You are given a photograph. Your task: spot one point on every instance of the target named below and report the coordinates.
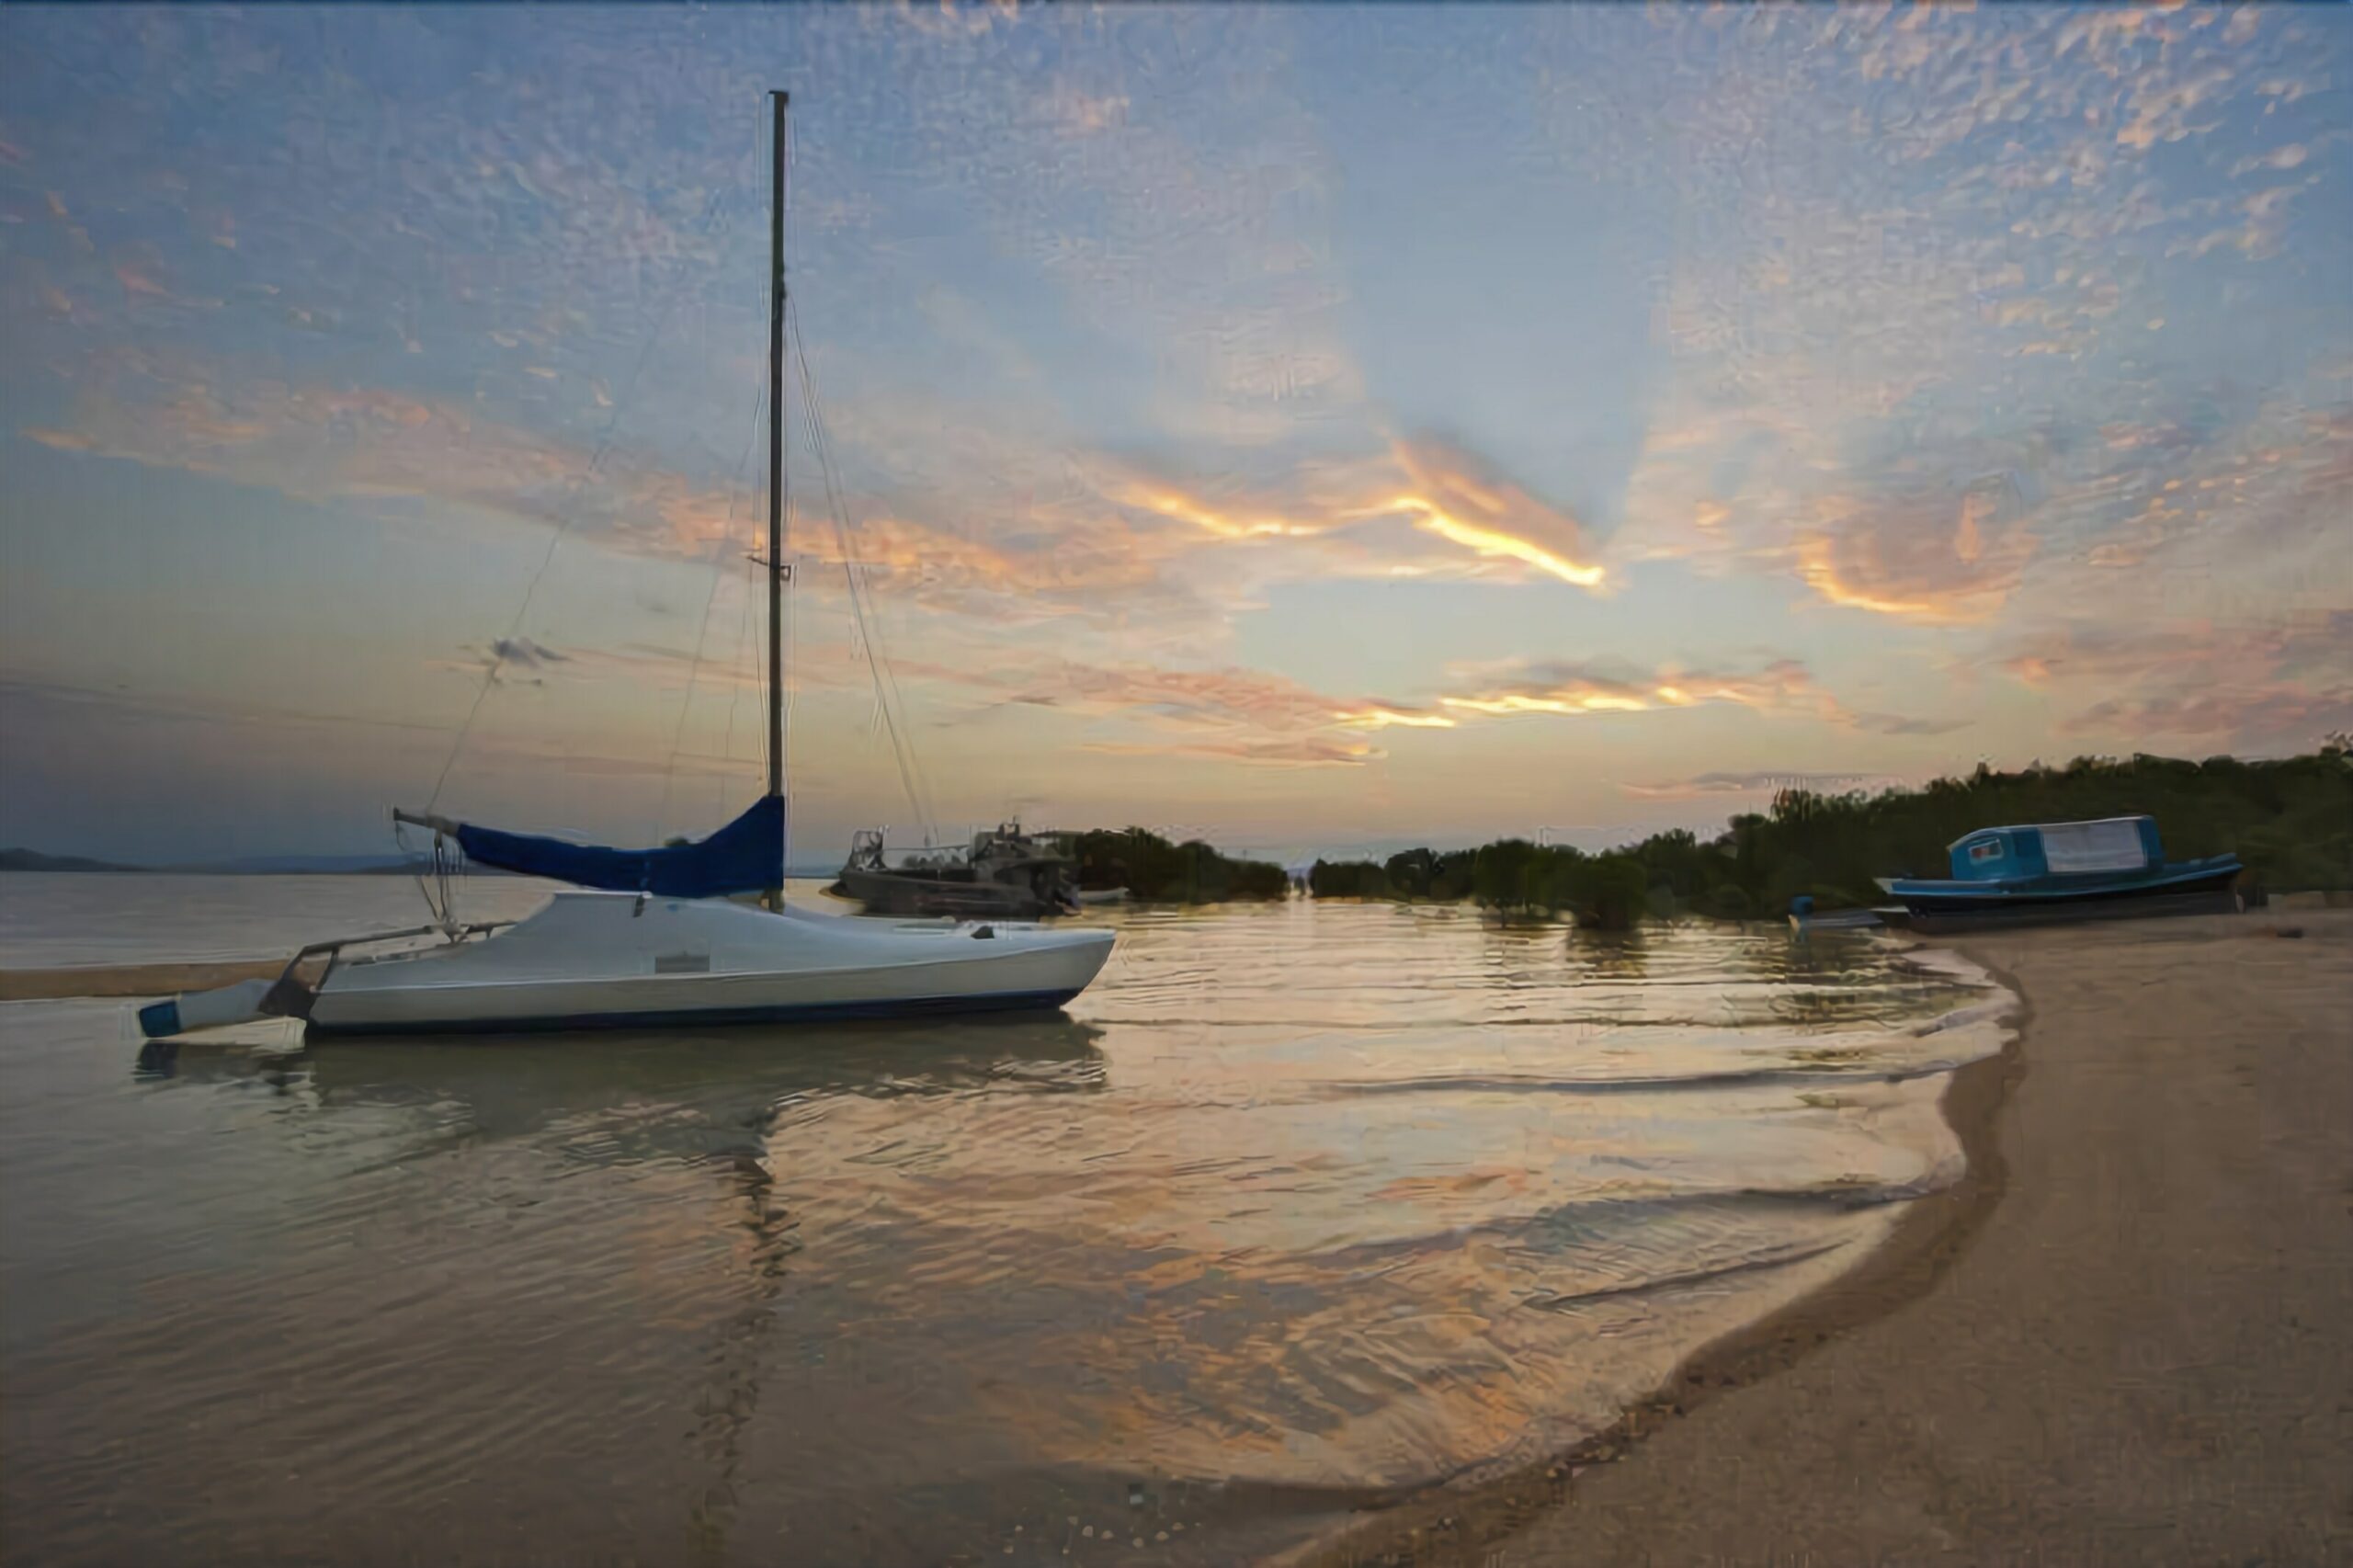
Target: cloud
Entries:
(2175, 516)
(2286, 679)
(1759, 783)
(1253, 701)
(1095, 544)
(1130, 402)
(1465, 502)
(1301, 751)
(2258, 236)
(316, 442)
(1889, 260)
(2246, 715)
(1929, 558)
(2291, 155)
(1237, 715)
(1380, 717)
(1782, 688)
(1439, 487)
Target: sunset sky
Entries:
(1315, 428)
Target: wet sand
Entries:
(2119, 1339)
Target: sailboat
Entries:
(657, 938)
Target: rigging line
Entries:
(747, 673)
(879, 633)
(702, 634)
(877, 655)
(870, 623)
(791, 642)
(712, 208)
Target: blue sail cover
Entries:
(746, 854)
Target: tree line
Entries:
(2291, 821)
(1152, 868)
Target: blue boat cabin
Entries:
(2019, 854)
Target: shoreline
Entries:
(2128, 1359)
(1439, 1527)
(61, 982)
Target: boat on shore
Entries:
(1002, 874)
(2110, 868)
(657, 938)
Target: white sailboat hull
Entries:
(605, 960)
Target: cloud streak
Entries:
(1702, 785)
(2288, 682)
(1782, 688)
(1439, 487)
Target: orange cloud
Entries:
(1784, 686)
(318, 442)
(1169, 501)
(1303, 751)
(1946, 562)
(1439, 488)
(2290, 679)
(2267, 712)
(1251, 698)
(1234, 714)
(1460, 499)
(1378, 718)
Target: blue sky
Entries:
(1313, 426)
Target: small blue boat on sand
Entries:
(2073, 870)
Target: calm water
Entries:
(1299, 1204)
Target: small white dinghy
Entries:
(662, 944)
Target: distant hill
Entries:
(255, 866)
(278, 866)
(34, 860)
(304, 865)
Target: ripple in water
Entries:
(1301, 1205)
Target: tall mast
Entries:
(776, 471)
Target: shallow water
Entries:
(1300, 1204)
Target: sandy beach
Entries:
(2120, 1339)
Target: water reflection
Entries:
(1304, 1203)
(707, 1101)
(625, 1096)
(1613, 955)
